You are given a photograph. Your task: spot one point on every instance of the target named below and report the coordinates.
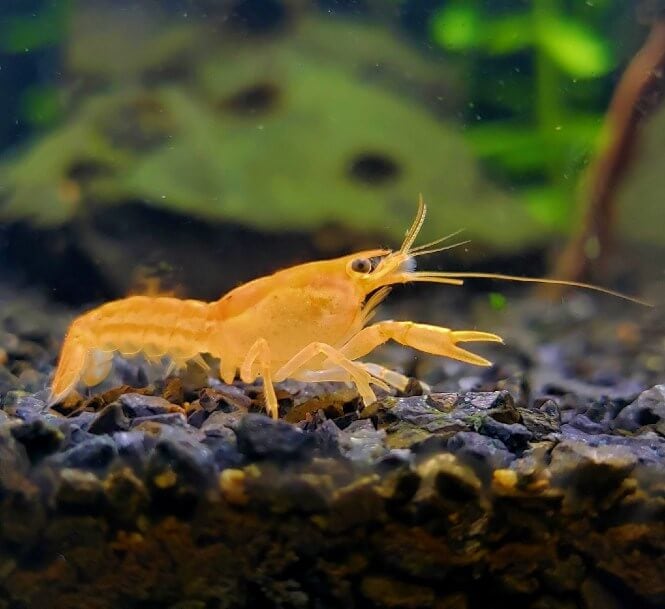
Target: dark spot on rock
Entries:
(253, 100)
(373, 168)
(645, 416)
(171, 70)
(85, 170)
(140, 125)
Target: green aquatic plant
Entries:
(497, 301)
(33, 28)
(38, 28)
(535, 69)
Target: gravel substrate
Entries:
(529, 486)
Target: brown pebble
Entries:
(173, 392)
(504, 480)
(166, 479)
(387, 592)
(232, 486)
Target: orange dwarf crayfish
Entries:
(307, 322)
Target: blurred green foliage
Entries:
(28, 30)
(539, 65)
(36, 28)
(41, 105)
(497, 301)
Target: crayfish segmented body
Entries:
(308, 322)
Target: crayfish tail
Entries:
(71, 366)
(155, 327)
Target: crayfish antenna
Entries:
(541, 280)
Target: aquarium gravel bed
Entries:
(528, 486)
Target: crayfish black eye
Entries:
(361, 265)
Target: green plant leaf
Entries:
(457, 27)
(41, 105)
(496, 138)
(577, 50)
(25, 33)
(514, 148)
(509, 34)
(497, 301)
(519, 149)
(550, 206)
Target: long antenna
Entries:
(575, 284)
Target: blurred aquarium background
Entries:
(204, 142)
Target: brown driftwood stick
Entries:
(637, 95)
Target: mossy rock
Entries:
(314, 127)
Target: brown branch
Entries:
(637, 95)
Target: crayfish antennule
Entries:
(415, 227)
